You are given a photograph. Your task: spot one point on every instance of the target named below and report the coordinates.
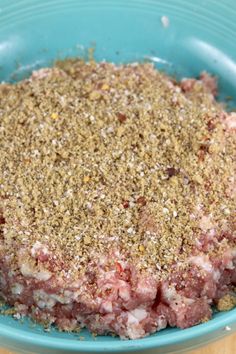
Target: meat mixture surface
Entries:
(117, 199)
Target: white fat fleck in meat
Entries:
(161, 322)
(124, 293)
(174, 299)
(203, 262)
(27, 270)
(107, 306)
(211, 234)
(123, 264)
(108, 318)
(206, 223)
(109, 275)
(230, 265)
(61, 299)
(169, 293)
(66, 297)
(216, 275)
(38, 246)
(230, 121)
(17, 289)
(146, 290)
(3, 281)
(198, 243)
(136, 315)
(43, 300)
(134, 332)
(43, 275)
(102, 260)
(227, 261)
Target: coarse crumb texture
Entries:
(115, 173)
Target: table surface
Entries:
(225, 346)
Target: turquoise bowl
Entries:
(200, 36)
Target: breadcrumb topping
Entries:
(226, 303)
(96, 156)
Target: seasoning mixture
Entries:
(117, 205)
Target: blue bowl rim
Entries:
(217, 324)
(205, 329)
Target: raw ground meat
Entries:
(209, 82)
(119, 300)
(117, 297)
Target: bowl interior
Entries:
(200, 36)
